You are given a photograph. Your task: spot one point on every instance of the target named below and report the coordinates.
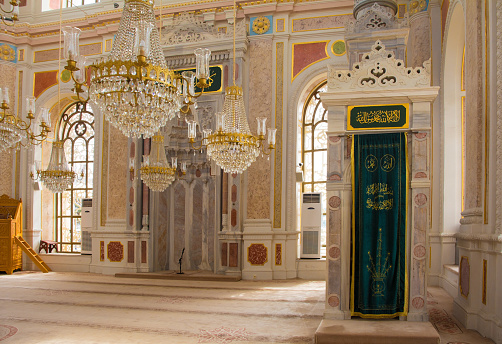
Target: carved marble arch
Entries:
(453, 121)
(313, 144)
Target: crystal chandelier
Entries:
(58, 176)
(233, 147)
(133, 87)
(14, 131)
(13, 12)
(155, 172)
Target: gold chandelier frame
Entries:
(21, 125)
(10, 21)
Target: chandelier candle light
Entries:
(13, 129)
(155, 172)
(133, 87)
(233, 147)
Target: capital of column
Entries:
(419, 16)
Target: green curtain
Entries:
(379, 183)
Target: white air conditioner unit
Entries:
(310, 238)
(86, 225)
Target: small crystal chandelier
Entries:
(14, 131)
(233, 147)
(155, 172)
(13, 12)
(58, 176)
(133, 87)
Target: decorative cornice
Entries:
(479, 237)
(190, 28)
(379, 69)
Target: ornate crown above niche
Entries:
(379, 69)
(190, 28)
(376, 17)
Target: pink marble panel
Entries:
(115, 251)
(131, 217)
(257, 254)
(278, 254)
(102, 251)
(233, 218)
(234, 193)
(465, 275)
(233, 255)
(224, 254)
(224, 194)
(143, 252)
(306, 54)
(44, 80)
(130, 251)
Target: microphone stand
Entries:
(179, 261)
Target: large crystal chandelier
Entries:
(13, 13)
(155, 172)
(14, 131)
(58, 176)
(133, 87)
(233, 147)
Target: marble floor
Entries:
(92, 308)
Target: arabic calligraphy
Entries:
(379, 116)
(381, 196)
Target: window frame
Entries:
(69, 122)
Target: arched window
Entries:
(314, 144)
(76, 130)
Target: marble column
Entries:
(419, 39)
(339, 198)
(474, 116)
(418, 227)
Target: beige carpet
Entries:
(90, 308)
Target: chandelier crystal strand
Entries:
(155, 172)
(58, 176)
(133, 87)
(232, 146)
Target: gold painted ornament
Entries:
(261, 25)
